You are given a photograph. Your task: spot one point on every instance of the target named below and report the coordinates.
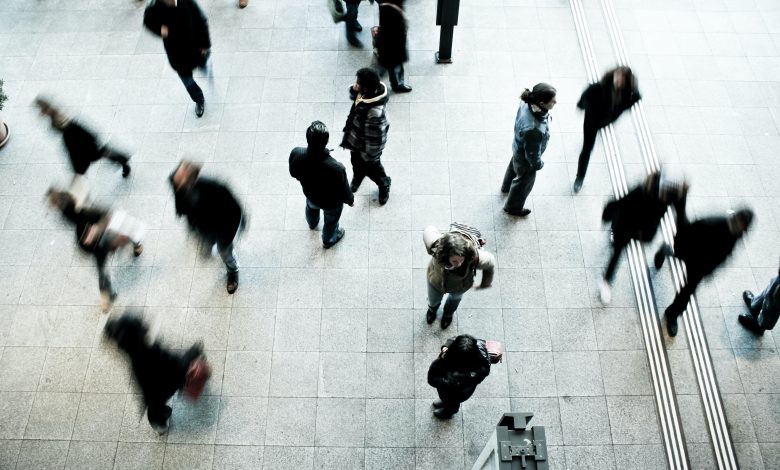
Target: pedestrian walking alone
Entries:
(455, 259)
(99, 233)
(159, 372)
(185, 33)
(703, 245)
(80, 142)
(637, 216)
(212, 212)
(391, 43)
(365, 132)
(351, 24)
(463, 363)
(531, 135)
(324, 182)
(763, 309)
(603, 102)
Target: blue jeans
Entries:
(330, 227)
(450, 305)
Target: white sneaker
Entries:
(106, 301)
(605, 292)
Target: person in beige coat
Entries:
(455, 258)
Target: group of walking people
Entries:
(217, 217)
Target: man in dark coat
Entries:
(324, 183)
(212, 212)
(159, 373)
(391, 43)
(351, 23)
(637, 216)
(764, 309)
(603, 103)
(81, 143)
(365, 132)
(703, 245)
(463, 363)
(185, 33)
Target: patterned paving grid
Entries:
(316, 348)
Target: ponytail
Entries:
(541, 93)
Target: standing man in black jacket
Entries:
(212, 212)
(324, 183)
(185, 33)
(704, 245)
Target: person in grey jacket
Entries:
(455, 258)
(764, 308)
(531, 136)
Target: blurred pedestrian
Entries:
(391, 43)
(80, 142)
(463, 363)
(185, 33)
(365, 132)
(637, 216)
(763, 309)
(604, 102)
(99, 233)
(351, 24)
(531, 136)
(455, 258)
(158, 372)
(324, 182)
(212, 212)
(703, 245)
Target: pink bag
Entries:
(495, 351)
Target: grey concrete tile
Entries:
(683, 374)
(35, 454)
(584, 421)
(300, 288)
(340, 422)
(90, 455)
(383, 431)
(590, 457)
(291, 421)
(395, 457)
(185, 456)
(432, 458)
(749, 455)
(617, 329)
(20, 368)
(575, 294)
(52, 416)
(251, 329)
(297, 329)
(389, 375)
(521, 288)
(578, 373)
(770, 454)
(238, 457)
(247, 373)
(525, 379)
(625, 373)
(764, 411)
(755, 368)
(390, 330)
(738, 415)
(14, 410)
(527, 330)
(99, 417)
(433, 432)
(572, 329)
(480, 416)
(336, 380)
(332, 458)
(701, 455)
(644, 457)
(693, 419)
(135, 425)
(194, 423)
(294, 374)
(633, 420)
(242, 420)
(345, 288)
(390, 288)
(210, 325)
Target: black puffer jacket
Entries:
(323, 178)
(211, 210)
(188, 32)
(457, 382)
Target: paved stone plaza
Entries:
(320, 358)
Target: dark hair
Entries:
(629, 81)
(453, 244)
(129, 330)
(317, 135)
(744, 217)
(368, 79)
(63, 200)
(466, 353)
(541, 93)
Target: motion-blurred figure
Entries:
(351, 24)
(80, 142)
(764, 309)
(704, 245)
(391, 43)
(212, 212)
(158, 372)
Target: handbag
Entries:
(337, 10)
(198, 374)
(495, 351)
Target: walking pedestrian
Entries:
(531, 136)
(637, 216)
(80, 142)
(391, 43)
(212, 212)
(351, 24)
(455, 258)
(324, 183)
(158, 371)
(185, 33)
(463, 363)
(763, 309)
(99, 233)
(604, 102)
(703, 245)
(365, 132)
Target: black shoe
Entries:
(430, 315)
(354, 41)
(339, 236)
(747, 296)
(446, 320)
(125, 171)
(200, 108)
(661, 254)
(358, 27)
(354, 185)
(439, 413)
(504, 190)
(519, 213)
(232, 282)
(402, 88)
(577, 185)
(438, 404)
(749, 322)
(671, 325)
(384, 192)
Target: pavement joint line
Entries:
(697, 341)
(668, 414)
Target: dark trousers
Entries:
(192, 88)
(350, 19)
(104, 281)
(617, 249)
(157, 411)
(682, 298)
(115, 156)
(158, 414)
(371, 168)
(330, 227)
(589, 133)
(761, 310)
(396, 76)
(519, 181)
(452, 403)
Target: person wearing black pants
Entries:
(185, 33)
(351, 24)
(391, 43)
(603, 102)
(703, 245)
(463, 363)
(763, 309)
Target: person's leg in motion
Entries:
(376, 173)
(351, 24)
(758, 319)
(228, 255)
(118, 158)
(159, 415)
(434, 300)
(680, 302)
(331, 232)
(358, 171)
(196, 94)
(450, 305)
(446, 410)
(312, 214)
(509, 175)
(107, 293)
(520, 188)
(589, 133)
(605, 290)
